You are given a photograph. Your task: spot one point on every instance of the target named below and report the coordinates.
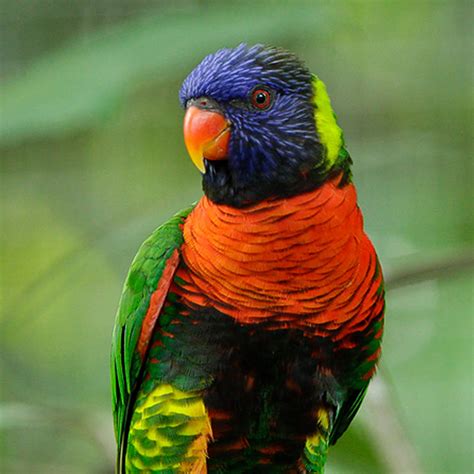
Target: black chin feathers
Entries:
(221, 188)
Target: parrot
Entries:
(250, 323)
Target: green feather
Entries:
(142, 279)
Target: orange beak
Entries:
(206, 135)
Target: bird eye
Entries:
(261, 99)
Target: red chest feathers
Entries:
(303, 261)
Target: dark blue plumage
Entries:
(230, 74)
(272, 152)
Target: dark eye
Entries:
(261, 98)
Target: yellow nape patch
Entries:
(330, 134)
(169, 431)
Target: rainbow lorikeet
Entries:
(250, 323)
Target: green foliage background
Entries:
(92, 160)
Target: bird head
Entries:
(259, 125)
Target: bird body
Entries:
(250, 324)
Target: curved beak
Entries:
(206, 135)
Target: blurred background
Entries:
(92, 160)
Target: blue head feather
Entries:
(272, 152)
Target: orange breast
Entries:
(303, 261)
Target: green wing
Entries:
(347, 412)
(151, 272)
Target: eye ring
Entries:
(261, 98)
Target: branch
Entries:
(440, 267)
